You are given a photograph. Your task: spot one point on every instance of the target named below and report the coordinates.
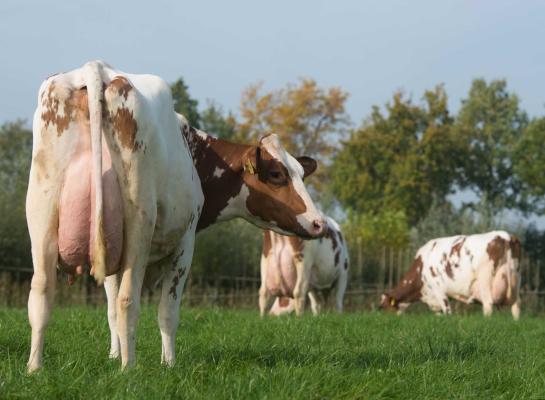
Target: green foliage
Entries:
(15, 156)
(214, 122)
(402, 160)
(229, 248)
(227, 354)
(184, 104)
(385, 229)
(529, 159)
(490, 123)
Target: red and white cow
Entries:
(483, 268)
(113, 185)
(292, 267)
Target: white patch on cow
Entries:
(202, 134)
(218, 172)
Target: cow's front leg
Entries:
(484, 279)
(111, 285)
(171, 296)
(315, 304)
(301, 285)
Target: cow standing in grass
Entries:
(114, 186)
(482, 268)
(292, 267)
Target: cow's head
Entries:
(390, 303)
(277, 198)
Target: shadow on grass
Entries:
(357, 359)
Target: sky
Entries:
(368, 48)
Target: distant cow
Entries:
(482, 268)
(291, 268)
(114, 185)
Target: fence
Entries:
(370, 275)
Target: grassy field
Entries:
(234, 354)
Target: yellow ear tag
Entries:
(393, 302)
(249, 167)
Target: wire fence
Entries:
(370, 276)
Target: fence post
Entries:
(360, 261)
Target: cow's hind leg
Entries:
(111, 285)
(265, 299)
(135, 259)
(484, 278)
(43, 233)
(171, 296)
(340, 289)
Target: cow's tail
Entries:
(93, 81)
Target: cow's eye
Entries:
(277, 178)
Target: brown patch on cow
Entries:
(337, 256)
(408, 290)
(208, 154)
(514, 245)
(274, 200)
(296, 243)
(284, 302)
(267, 245)
(433, 272)
(54, 102)
(345, 264)
(433, 245)
(121, 85)
(179, 273)
(457, 247)
(496, 250)
(125, 127)
(445, 302)
(448, 270)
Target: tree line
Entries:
(393, 180)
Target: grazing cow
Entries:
(483, 268)
(128, 206)
(291, 268)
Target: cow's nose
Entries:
(318, 227)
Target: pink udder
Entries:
(75, 213)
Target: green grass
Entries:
(235, 354)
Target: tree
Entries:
(529, 162)
(490, 123)
(400, 160)
(308, 119)
(184, 104)
(15, 155)
(214, 121)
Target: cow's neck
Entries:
(219, 166)
(409, 288)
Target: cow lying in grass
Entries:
(480, 268)
(291, 268)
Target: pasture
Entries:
(233, 354)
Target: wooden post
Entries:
(391, 270)
(382, 269)
(360, 260)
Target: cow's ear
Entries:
(309, 164)
(250, 160)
